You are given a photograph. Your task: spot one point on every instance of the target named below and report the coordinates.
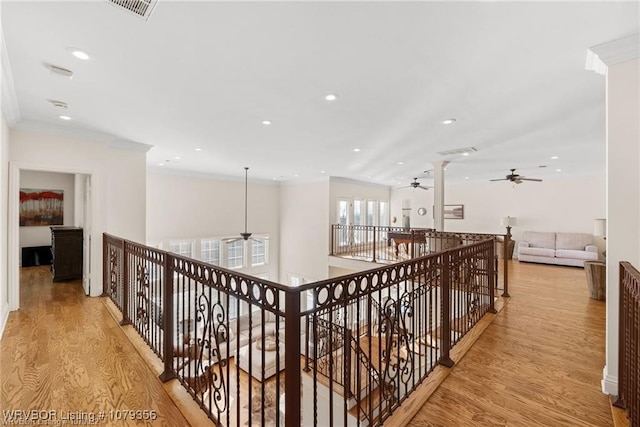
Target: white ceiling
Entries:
(205, 74)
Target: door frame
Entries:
(13, 224)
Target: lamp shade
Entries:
(600, 227)
(509, 221)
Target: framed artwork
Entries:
(41, 207)
(453, 211)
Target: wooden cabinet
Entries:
(66, 249)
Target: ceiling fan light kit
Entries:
(416, 184)
(515, 178)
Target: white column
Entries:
(438, 194)
(622, 67)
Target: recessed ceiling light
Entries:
(331, 97)
(466, 177)
(65, 117)
(554, 157)
(448, 121)
(177, 158)
(161, 164)
(266, 122)
(198, 149)
(558, 170)
(295, 174)
(322, 172)
(356, 150)
(401, 163)
(80, 53)
(465, 153)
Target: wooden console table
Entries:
(596, 279)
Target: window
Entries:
(258, 252)
(235, 254)
(210, 251)
(357, 212)
(238, 307)
(383, 216)
(181, 248)
(371, 212)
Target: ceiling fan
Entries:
(514, 177)
(416, 184)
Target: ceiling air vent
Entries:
(141, 8)
(458, 151)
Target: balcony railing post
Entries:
(413, 241)
(105, 264)
(167, 320)
(505, 261)
(374, 244)
(445, 330)
(492, 279)
(622, 326)
(293, 378)
(333, 239)
(125, 285)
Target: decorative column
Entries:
(438, 195)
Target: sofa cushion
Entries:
(537, 251)
(573, 254)
(538, 239)
(574, 241)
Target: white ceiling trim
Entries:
(125, 144)
(613, 52)
(8, 93)
(187, 173)
(63, 131)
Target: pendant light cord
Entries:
(246, 169)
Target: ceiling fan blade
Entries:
(517, 181)
(530, 179)
(500, 179)
(423, 187)
(406, 186)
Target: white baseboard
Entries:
(609, 383)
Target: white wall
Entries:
(41, 236)
(559, 204)
(118, 185)
(4, 179)
(415, 198)
(623, 195)
(181, 207)
(304, 230)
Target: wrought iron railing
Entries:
(394, 244)
(629, 343)
(234, 341)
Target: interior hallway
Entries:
(539, 362)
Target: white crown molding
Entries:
(8, 96)
(613, 52)
(358, 182)
(65, 131)
(163, 170)
(125, 144)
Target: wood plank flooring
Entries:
(539, 363)
(63, 351)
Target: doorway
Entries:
(81, 214)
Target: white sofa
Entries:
(571, 249)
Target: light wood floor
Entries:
(63, 351)
(539, 362)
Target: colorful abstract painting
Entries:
(41, 207)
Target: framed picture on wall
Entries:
(41, 207)
(453, 211)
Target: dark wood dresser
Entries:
(66, 249)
